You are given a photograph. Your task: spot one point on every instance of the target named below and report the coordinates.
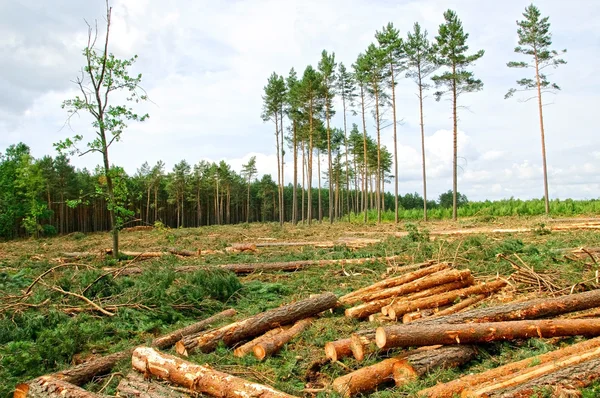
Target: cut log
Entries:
(357, 295)
(248, 268)
(369, 378)
(426, 282)
(417, 334)
(585, 362)
(270, 346)
(173, 337)
(184, 253)
(413, 316)
(379, 317)
(198, 378)
(247, 348)
(50, 387)
(241, 247)
(338, 349)
(400, 308)
(363, 343)
(531, 309)
(574, 377)
(82, 373)
(134, 386)
(421, 363)
(366, 309)
(256, 325)
(463, 304)
(450, 389)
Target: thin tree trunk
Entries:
(378, 177)
(347, 163)
(303, 179)
(422, 145)
(331, 216)
(395, 146)
(319, 185)
(295, 188)
(281, 199)
(539, 92)
(455, 147)
(278, 165)
(362, 96)
(310, 161)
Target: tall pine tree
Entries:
(327, 67)
(451, 52)
(421, 64)
(535, 41)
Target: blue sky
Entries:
(205, 65)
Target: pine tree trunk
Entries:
(257, 324)
(540, 105)
(329, 164)
(295, 188)
(303, 180)
(135, 386)
(417, 334)
(271, 345)
(198, 378)
(310, 162)
(278, 166)
(347, 162)
(281, 194)
(49, 387)
(378, 176)
(422, 144)
(319, 185)
(455, 148)
(364, 121)
(395, 146)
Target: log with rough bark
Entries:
(50, 387)
(452, 388)
(134, 386)
(173, 337)
(371, 307)
(184, 253)
(417, 334)
(82, 373)
(248, 268)
(257, 324)
(421, 363)
(362, 343)
(198, 378)
(463, 304)
(369, 378)
(400, 308)
(241, 247)
(270, 346)
(513, 383)
(531, 309)
(338, 349)
(247, 348)
(427, 282)
(357, 295)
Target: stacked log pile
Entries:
(448, 334)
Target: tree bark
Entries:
(357, 295)
(522, 383)
(247, 348)
(395, 145)
(134, 386)
(423, 283)
(383, 305)
(49, 387)
(450, 389)
(295, 188)
(335, 350)
(540, 106)
(418, 334)
(271, 345)
(198, 378)
(421, 363)
(461, 306)
(81, 374)
(531, 309)
(416, 315)
(256, 325)
(422, 144)
(398, 309)
(173, 337)
(364, 122)
(369, 378)
(455, 148)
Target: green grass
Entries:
(35, 342)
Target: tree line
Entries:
(368, 89)
(47, 196)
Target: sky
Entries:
(205, 63)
